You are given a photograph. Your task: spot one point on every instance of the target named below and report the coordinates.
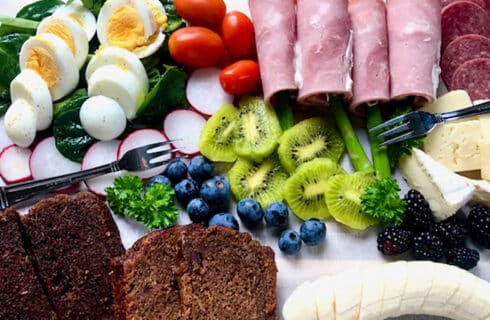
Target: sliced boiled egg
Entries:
(71, 32)
(20, 123)
(121, 58)
(118, 84)
(77, 12)
(103, 118)
(29, 86)
(134, 25)
(50, 57)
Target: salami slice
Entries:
(474, 77)
(481, 3)
(460, 50)
(463, 17)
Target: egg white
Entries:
(103, 118)
(20, 123)
(77, 12)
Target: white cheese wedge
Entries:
(445, 191)
(481, 195)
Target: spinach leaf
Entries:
(10, 25)
(166, 94)
(39, 10)
(174, 21)
(72, 140)
(9, 56)
(93, 5)
(4, 100)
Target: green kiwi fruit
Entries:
(216, 140)
(309, 139)
(257, 129)
(305, 189)
(343, 197)
(263, 181)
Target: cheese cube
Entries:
(484, 146)
(455, 145)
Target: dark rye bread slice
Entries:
(228, 276)
(72, 240)
(21, 293)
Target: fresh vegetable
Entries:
(155, 207)
(237, 31)
(39, 10)
(10, 46)
(240, 78)
(174, 21)
(284, 110)
(186, 141)
(204, 13)
(196, 47)
(14, 164)
(10, 25)
(93, 5)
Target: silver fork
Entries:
(138, 159)
(418, 123)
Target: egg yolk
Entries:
(42, 62)
(125, 28)
(63, 32)
(160, 17)
(77, 18)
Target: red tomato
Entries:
(196, 47)
(204, 13)
(240, 78)
(237, 31)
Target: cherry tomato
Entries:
(240, 78)
(237, 31)
(196, 47)
(204, 13)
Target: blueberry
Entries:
(158, 179)
(224, 220)
(198, 210)
(250, 212)
(290, 242)
(313, 231)
(216, 192)
(186, 190)
(201, 168)
(176, 171)
(276, 214)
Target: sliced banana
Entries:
(419, 282)
(324, 298)
(301, 305)
(395, 279)
(29, 85)
(372, 294)
(71, 32)
(348, 293)
(119, 85)
(77, 12)
(458, 304)
(50, 57)
(20, 123)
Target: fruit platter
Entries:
(286, 171)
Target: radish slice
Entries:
(14, 164)
(4, 138)
(46, 161)
(204, 92)
(184, 128)
(238, 5)
(98, 154)
(141, 138)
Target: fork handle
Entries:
(479, 109)
(19, 192)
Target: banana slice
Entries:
(324, 298)
(78, 13)
(20, 123)
(301, 304)
(419, 283)
(348, 291)
(395, 279)
(456, 306)
(28, 85)
(372, 294)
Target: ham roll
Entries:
(324, 49)
(275, 36)
(414, 34)
(370, 72)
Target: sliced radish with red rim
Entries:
(4, 139)
(204, 92)
(46, 161)
(14, 164)
(184, 127)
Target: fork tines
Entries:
(401, 132)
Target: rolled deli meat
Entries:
(370, 72)
(324, 49)
(275, 37)
(414, 35)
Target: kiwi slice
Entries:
(216, 140)
(309, 139)
(343, 198)
(257, 129)
(305, 189)
(263, 181)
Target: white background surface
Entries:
(343, 249)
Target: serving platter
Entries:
(343, 249)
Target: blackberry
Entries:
(428, 246)
(478, 225)
(458, 218)
(453, 235)
(464, 258)
(418, 215)
(394, 240)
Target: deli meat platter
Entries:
(265, 105)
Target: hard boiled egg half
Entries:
(135, 25)
(102, 118)
(79, 14)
